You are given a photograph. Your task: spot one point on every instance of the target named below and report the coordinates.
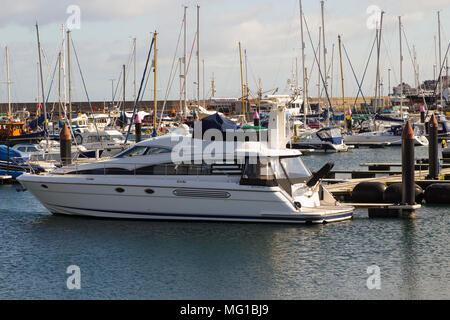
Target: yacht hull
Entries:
(137, 198)
(391, 140)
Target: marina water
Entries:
(195, 260)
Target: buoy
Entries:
(393, 193)
(368, 192)
(437, 193)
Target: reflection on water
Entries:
(181, 260)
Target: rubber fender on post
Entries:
(368, 192)
(393, 193)
(437, 193)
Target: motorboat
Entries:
(13, 163)
(179, 177)
(100, 143)
(327, 139)
(46, 150)
(388, 137)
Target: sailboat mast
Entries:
(59, 85)
(9, 81)
(246, 74)
(42, 79)
(124, 86)
(198, 55)
(134, 58)
(401, 64)
(203, 82)
(63, 67)
(342, 72)
(318, 69)
(154, 83)
(324, 59)
(242, 81)
(184, 65)
(213, 86)
(305, 96)
(69, 78)
(440, 56)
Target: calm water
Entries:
(178, 260)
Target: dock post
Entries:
(408, 184)
(7, 163)
(433, 165)
(256, 121)
(65, 146)
(138, 128)
(422, 114)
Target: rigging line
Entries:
(187, 69)
(172, 70)
(389, 58)
(440, 75)
(127, 74)
(356, 78)
(364, 74)
(416, 75)
(320, 72)
(140, 89)
(85, 90)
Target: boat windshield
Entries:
(295, 169)
(330, 133)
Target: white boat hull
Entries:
(173, 199)
(391, 140)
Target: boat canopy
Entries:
(218, 122)
(14, 155)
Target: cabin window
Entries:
(133, 152)
(141, 151)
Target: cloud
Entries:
(50, 11)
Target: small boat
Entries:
(14, 163)
(389, 137)
(327, 139)
(44, 151)
(12, 132)
(101, 143)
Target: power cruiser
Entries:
(178, 177)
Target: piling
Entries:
(433, 156)
(256, 120)
(408, 184)
(65, 145)
(138, 128)
(422, 114)
(7, 159)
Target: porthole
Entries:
(120, 190)
(149, 191)
(44, 186)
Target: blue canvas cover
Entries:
(216, 121)
(14, 155)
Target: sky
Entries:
(269, 32)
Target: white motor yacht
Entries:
(178, 177)
(323, 140)
(391, 136)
